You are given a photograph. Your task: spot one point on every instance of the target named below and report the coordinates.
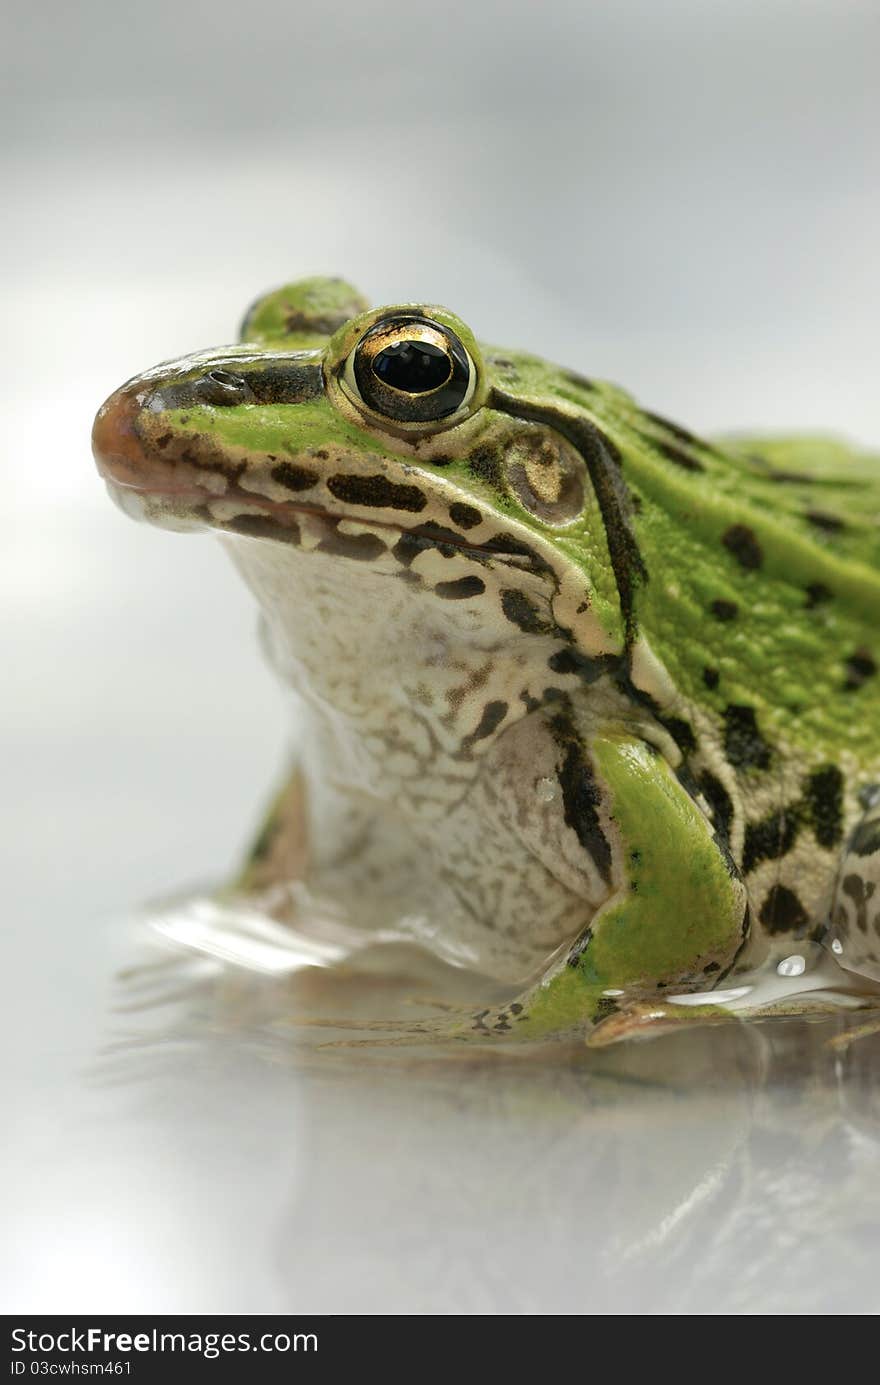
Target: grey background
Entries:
(683, 197)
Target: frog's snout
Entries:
(117, 448)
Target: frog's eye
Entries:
(411, 369)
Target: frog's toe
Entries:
(645, 1020)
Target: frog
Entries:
(589, 703)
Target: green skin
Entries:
(687, 645)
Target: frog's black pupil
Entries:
(413, 366)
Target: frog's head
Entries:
(386, 438)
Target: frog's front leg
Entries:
(676, 922)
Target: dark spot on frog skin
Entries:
(678, 455)
(724, 610)
(163, 441)
(377, 492)
(771, 838)
(572, 661)
(686, 779)
(486, 463)
(579, 947)
(492, 717)
(513, 548)
(860, 666)
(782, 911)
(711, 677)
(521, 611)
(824, 803)
(719, 801)
(798, 478)
(581, 796)
(465, 516)
(362, 547)
(293, 477)
(407, 548)
(430, 535)
(580, 382)
(606, 1006)
(681, 732)
(297, 320)
(860, 892)
(817, 594)
(710, 967)
(461, 588)
(865, 840)
(264, 527)
(740, 540)
(744, 745)
(820, 519)
(515, 1007)
(675, 429)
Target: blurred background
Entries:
(682, 197)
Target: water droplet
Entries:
(612, 992)
(792, 966)
(837, 946)
(547, 790)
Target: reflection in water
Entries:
(715, 1170)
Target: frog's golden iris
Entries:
(411, 369)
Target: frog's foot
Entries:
(847, 1037)
(648, 1020)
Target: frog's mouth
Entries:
(309, 526)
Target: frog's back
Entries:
(763, 580)
(828, 487)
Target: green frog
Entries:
(589, 704)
